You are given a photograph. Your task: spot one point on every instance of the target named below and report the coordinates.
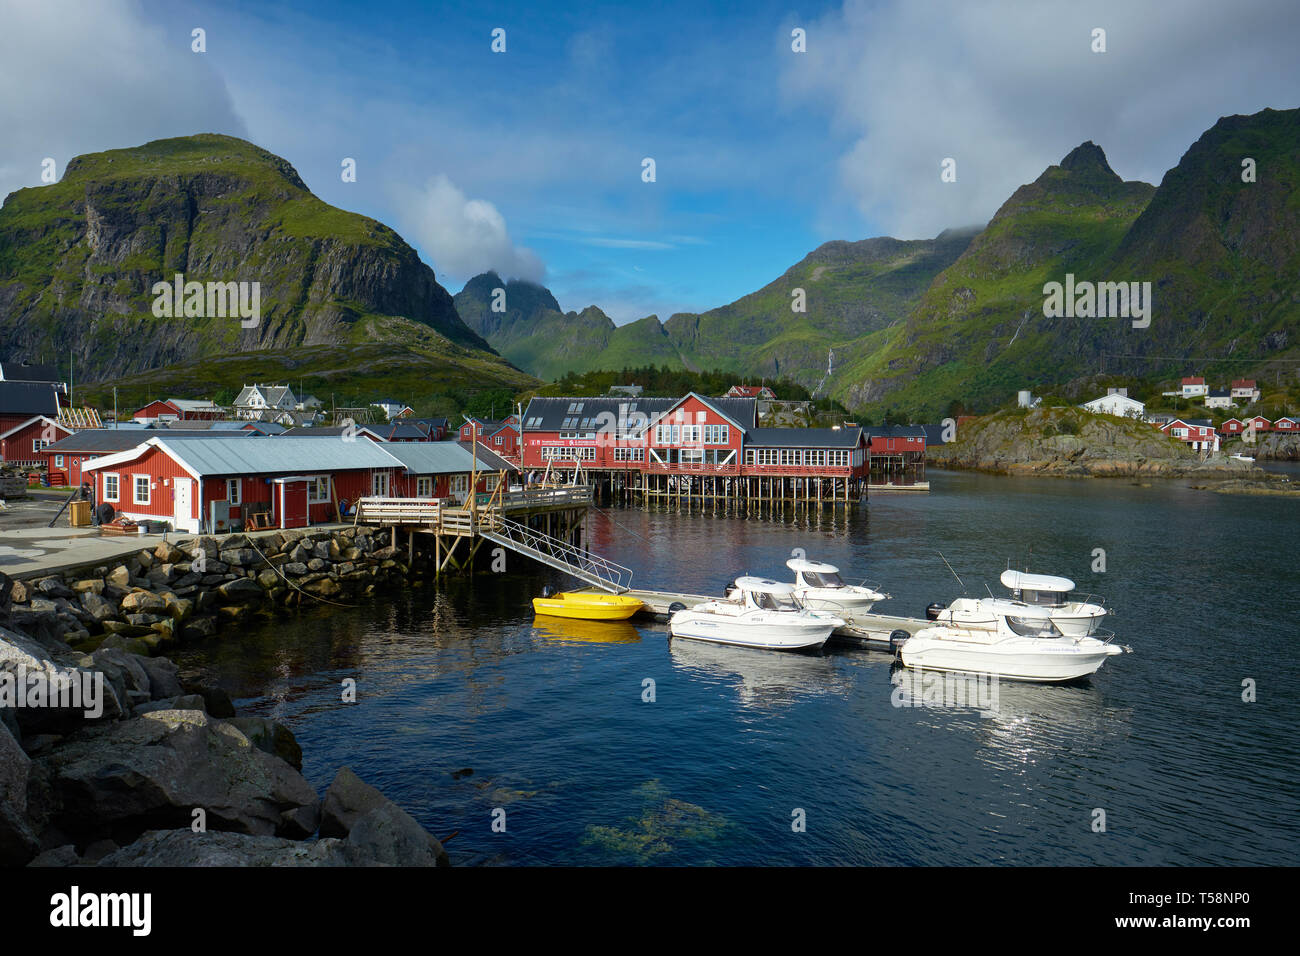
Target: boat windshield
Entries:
(827, 580)
(1032, 627)
(1045, 598)
(774, 602)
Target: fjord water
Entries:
(550, 716)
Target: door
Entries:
(293, 504)
(183, 504)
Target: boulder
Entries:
(53, 587)
(295, 569)
(268, 579)
(215, 700)
(99, 608)
(143, 602)
(241, 591)
(152, 771)
(184, 848)
(347, 800)
(18, 843)
(95, 585)
(179, 702)
(169, 553)
(163, 677)
(119, 577)
(198, 628)
(271, 736)
(389, 835)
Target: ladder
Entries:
(583, 565)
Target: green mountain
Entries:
(535, 335)
(79, 259)
(1221, 254)
(851, 290)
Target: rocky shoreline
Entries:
(1072, 443)
(149, 770)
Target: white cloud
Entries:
(1008, 88)
(82, 77)
(465, 236)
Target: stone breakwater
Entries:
(161, 772)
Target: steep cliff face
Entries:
(79, 258)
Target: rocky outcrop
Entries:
(115, 776)
(1071, 442)
(1278, 446)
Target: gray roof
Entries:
(29, 398)
(803, 437)
(105, 441)
(25, 372)
(438, 457)
(280, 455)
(895, 431)
(550, 414)
(489, 459)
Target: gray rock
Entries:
(295, 569)
(241, 591)
(99, 608)
(388, 834)
(179, 702)
(18, 842)
(163, 679)
(184, 848)
(153, 770)
(273, 737)
(65, 855)
(347, 800)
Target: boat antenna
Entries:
(954, 573)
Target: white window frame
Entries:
(459, 484)
(318, 490)
(58, 461)
(117, 486)
(378, 478)
(424, 486)
(234, 491)
(135, 490)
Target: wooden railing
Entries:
(398, 510)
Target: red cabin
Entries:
(24, 444)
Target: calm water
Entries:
(551, 721)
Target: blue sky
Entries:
(530, 161)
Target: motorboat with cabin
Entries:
(1008, 639)
(819, 586)
(757, 612)
(1072, 617)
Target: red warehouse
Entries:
(24, 444)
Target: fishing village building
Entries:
(704, 449)
(212, 484)
(179, 409)
(23, 445)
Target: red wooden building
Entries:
(1233, 426)
(215, 484)
(1286, 425)
(24, 444)
(179, 409)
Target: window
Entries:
(424, 487)
(38, 444)
(379, 484)
(110, 487)
(459, 484)
(318, 490)
(675, 434)
(58, 461)
(692, 434)
(141, 486)
(232, 491)
(490, 483)
(500, 440)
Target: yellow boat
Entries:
(588, 606)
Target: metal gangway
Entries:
(583, 565)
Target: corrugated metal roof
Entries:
(490, 459)
(106, 440)
(551, 414)
(433, 458)
(280, 455)
(895, 431)
(802, 437)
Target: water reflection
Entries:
(585, 632)
(765, 680)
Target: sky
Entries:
(531, 161)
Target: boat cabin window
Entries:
(773, 602)
(828, 580)
(1043, 598)
(1032, 627)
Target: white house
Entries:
(1245, 388)
(266, 403)
(392, 408)
(1193, 387)
(1117, 402)
(1219, 398)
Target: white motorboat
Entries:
(1008, 639)
(820, 587)
(1073, 618)
(756, 613)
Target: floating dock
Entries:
(862, 630)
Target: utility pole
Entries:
(114, 408)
